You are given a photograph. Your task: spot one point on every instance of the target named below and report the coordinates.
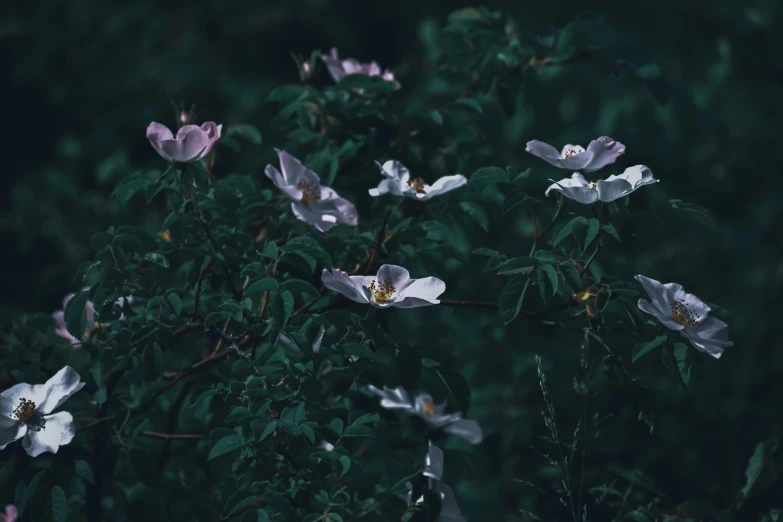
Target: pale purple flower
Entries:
(59, 317)
(391, 287)
(398, 182)
(424, 407)
(685, 313)
(599, 153)
(312, 203)
(340, 68)
(191, 144)
(614, 187)
(26, 413)
(433, 470)
(10, 515)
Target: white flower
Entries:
(26, 411)
(398, 182)
(312, 203)
(599, 153)
(391, 287)
(578, 188)
(424, 407)
(449, 510)
(685, 313)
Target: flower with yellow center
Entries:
(685, 313)
(26, 413)
(579, 189)
(382, 292)
(599, 153)
(311, 192)
(399, 182)
(434, 415)
(392, 286)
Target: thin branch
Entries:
(204, 268)
(378, 242)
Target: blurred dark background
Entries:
(82, 82)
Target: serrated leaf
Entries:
(609, 229)
(487, 176)
(225, 445)
(476, 213)
(511, 298)
(547, 282)
(518, 265)
(310, 248)
(59, 504)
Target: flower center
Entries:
(683, 316)
(417, 184)
(27, 414)
(592, 185)
(311, 192)
(428, 407)
(382, 292)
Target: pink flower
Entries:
(191, 144)
(340, 68)
(10, 514)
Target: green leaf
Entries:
(476, 213)
(136, 182)
(367, 84)
(514, 198)
(759, 464)
(584, 230)
(487, 176)
(158, 259)
(642, 349)
(246, 131)
(307, 248)
(358, 350)
(518, 265)
(545, 256)
(268, 429)
(511, 298)
(24, 494)
(609, 229)
(59, 504)
(215, 318)
(259, 287)
(262, 516)
(153, 362)
(684, 362)
(345, 464)
(272, 250)
(547, 282)
(562, 233)
(175, 303)
(336, 425)
(299, 286)
(486, 252)
(226, 444)
(242, 505)
(76, 314)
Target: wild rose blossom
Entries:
(10, 515)
(312, 203)
(392, 286)
(26, 413)
(685, 313)
(425, 408)
(614, 187)
(340, 68)
(433, 470)
(191, 144)
(599, 153)
(398, 182)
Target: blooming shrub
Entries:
(260, 355)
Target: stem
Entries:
(546, 229)
(590, 260)
(378, 241)
(173, 436)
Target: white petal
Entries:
(61, 386)
(610, 190)
(711, 335)
(576, 187)
(393, 169)
(657, 292)
(10, 433)
(603, 151)
(393, 398)
(294, 171)
(434, 462)
(449, 509)
(443, 185)
(322, 222)
(59, 431)
(666, 320)
(291, 191)
(341, 282)
(544, 151)
(421, 292)
(384, 187)
(35, 393)
(467, 429)
(395, 275)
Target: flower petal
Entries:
(341, 282)
(421, 292)
(544, 151)
(449, 509)
(277, 178)
(384, 187)
(576, 187)
(334, 65)
(35, 393)
(666, 320)
(156, 133)
(433, 467)
(11, 514)
(467, 429)
(393, 398)
(609, 190)
(294, 171)
(393, 169)
(11, 433)
(188, 146)
(59, 388)
(443, 185)
(331, 203)
(322, 222)
(658, 293)
(59, 431)
(603, 152)
(396, 275)
(711, 335)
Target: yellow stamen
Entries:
(25, 411)
(311, 192)
(417, 184)
(681, 315)
(382, 292)
(428, 407)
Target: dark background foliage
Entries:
(691, 88)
